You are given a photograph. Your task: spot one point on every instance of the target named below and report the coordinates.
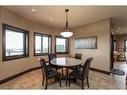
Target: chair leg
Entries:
(60, 80)
(82, 84)
(43, 80)
(62, 72)
(69, 82)
(55, 79)
(88, 82)
(46, 83)
(66, 76)
(74, 79)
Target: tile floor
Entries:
(32, 80)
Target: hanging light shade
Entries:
(66, 31)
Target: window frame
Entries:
(43, 35)
(25, 42)
(67, 45)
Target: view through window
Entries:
(61, 45)
(14, 43)
(38, 44)
(45, 45)
(42, 44)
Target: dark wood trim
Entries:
(14, 28)
(67, 45)
(101, 71)
(111, 51)
(3, 42)
(125, 45)
(41, 54)
(51, 45)
(43, 35)
(111, 44)
(25, 46)
(17, 75)
(41, 46)
(114, 41)
(34, 43)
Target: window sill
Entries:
(9, 58)
(41, 54)
(62, 52)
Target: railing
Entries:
(14, 52)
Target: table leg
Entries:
(66, 76)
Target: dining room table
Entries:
(66, 62)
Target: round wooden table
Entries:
(65, 63)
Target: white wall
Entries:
(101, 55)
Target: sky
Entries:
(14, 40)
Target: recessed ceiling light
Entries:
(51, 19)
(33, 10)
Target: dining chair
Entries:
(51, 57)
(77, 56)
(82, 74)
(48, 73)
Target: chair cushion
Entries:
(53, 73)
(54, 66)
(75, 74)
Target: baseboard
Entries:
(101, 71)
(17, 75)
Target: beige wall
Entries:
(101, 55)
(9, 68)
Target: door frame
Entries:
(111, 51)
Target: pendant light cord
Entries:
(66, 10)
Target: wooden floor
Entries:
(32, 80)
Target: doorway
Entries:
(118, 54)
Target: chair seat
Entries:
(73, 68)
(76, 74)
(49, 67)
(57, 67)
(53, 73)
(53, 66)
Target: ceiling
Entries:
(78, 15)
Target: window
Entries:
(61, 45)
(15, 42)
(42, 44)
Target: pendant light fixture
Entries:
(66, 31)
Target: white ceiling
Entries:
(78, 15)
